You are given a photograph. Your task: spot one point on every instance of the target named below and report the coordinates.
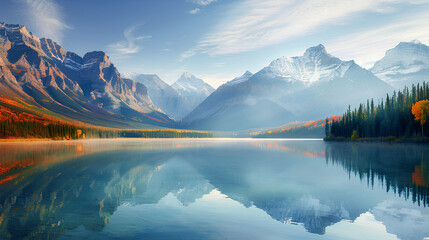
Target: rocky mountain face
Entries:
(313, 86)
(404, 65)
(87, 88)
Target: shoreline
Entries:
(390, 139)
(15, 140)
(26, 140)
(359, 140)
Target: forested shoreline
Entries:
(11, 129)
(399, 117)
(18, 122)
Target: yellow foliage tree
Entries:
(420, 111)
(355, 135)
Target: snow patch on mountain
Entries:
(314, 66)
(131, 75)
(311, 86)
(406, 64)
(188, 84)
(240, 79)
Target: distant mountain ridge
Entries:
(313, 86)
(188, 83)
(87, 88)
(162, 94)
(192, 90)
(179, 99)
(404, 65)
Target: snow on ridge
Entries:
(406, 57)
(70, 63)
(10, 27)
(403, 65)
(239, 79)
(89, 63)
(130, 75)
(315, 65)
(188, 84)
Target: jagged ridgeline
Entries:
(43, 76)
(308, 87)
(391, 117)
(402, 169)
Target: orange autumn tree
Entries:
(420, 111)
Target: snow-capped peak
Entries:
(189, 83)
(315, 65)
(186, 75)
(415, 41)
(406, 56)
(405, 64)
(315, 51)
(187, 80)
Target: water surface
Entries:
(213, 189)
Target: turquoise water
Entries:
(213, 189)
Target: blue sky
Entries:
(218, 40)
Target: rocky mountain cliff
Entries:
(87, 88)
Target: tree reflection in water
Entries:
(48, 189)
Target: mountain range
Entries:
(89, 89)
(313, 86)
(179, 99)
(43, 76)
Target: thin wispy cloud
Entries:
(130, 44)
(46, 18)
(203, 2)
(187, 54)
(253, 24)
(194, 11)
(369, 45)
(200, 3)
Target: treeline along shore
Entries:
(11, 129)
(400, 117)
(17, 124)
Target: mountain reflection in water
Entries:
(97, 187)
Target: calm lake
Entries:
(213, 189)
